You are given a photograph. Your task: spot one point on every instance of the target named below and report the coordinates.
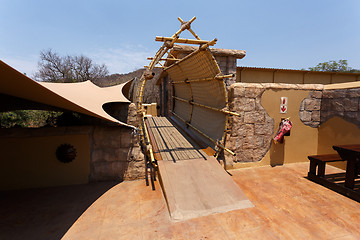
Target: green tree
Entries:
(333, 66)
(56, 68)
(28, 118)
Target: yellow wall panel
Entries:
(30, 162)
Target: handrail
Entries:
(208, 107)
(218, 77)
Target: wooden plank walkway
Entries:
(169, 142)
(194, 183)
(199, 187)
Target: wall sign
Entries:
(283, 104)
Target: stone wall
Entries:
(320, 106)
(115, 154)
(343, 103)
(309, 112)
(250, 134)
(227, 66)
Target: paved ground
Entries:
(287, 206)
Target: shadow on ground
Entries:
(46, 213)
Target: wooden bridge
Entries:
(183, 147)
(194, 183)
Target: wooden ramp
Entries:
(194, 184)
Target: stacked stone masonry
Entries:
(320, 106)
(309, 112)
(250, 134)
(115, 154)
(343, 103)
(227, 66)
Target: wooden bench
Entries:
(319, 161)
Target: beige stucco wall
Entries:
(28, 162)
(104, 153)
(254, 76)
(302, 140)
(317, 77)
(336, 131)
(259, 75)
(288, 77)
(342, 78)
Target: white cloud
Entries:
(122, 60)
(118, 60)
(26, 64)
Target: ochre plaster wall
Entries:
(342, 78)
(259, 75)
(288, 77)
(317, 78)
(303, 140)
(254, 76)
(28, 162)
(337, 131)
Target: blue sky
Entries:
(276, 33)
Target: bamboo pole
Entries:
(161, 64)
(164, 59)
(194, 34)
(192, 106)
(172, 55)
(185, 40)
(148, 143)
(189, 29)
(210, 43)
(154, 67)
(160, 53)
(208, 107)
(203, 134)
(166, 46)
(184, 25)
(220, 77)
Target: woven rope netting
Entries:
(200, 97)
(196, 91)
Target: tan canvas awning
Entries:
(83, 97)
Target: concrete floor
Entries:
(287, 206)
